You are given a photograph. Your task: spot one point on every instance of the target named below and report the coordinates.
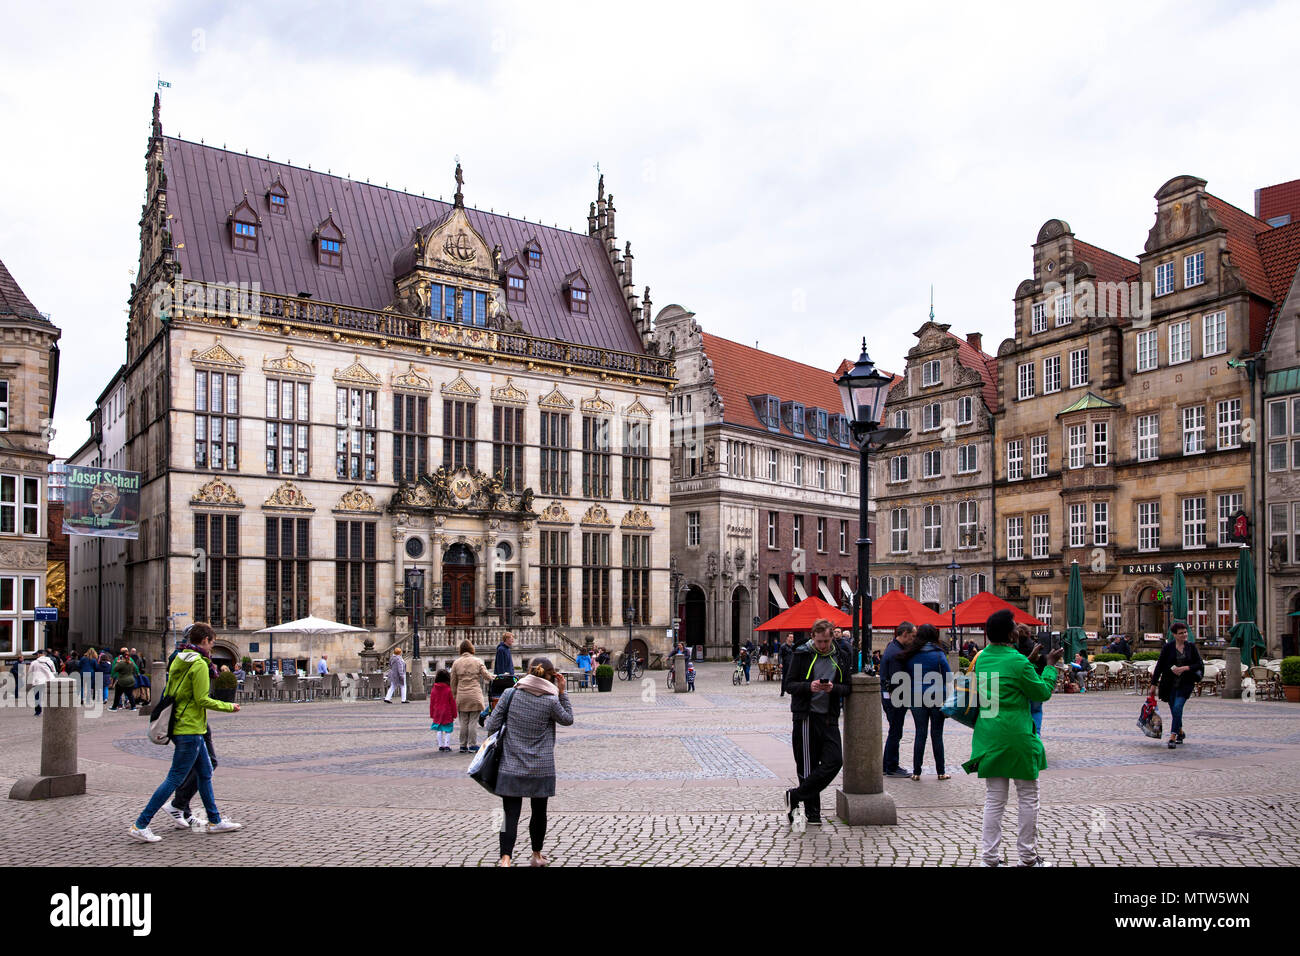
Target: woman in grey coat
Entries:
(528, 712)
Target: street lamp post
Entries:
(863, 799)
(415, 604)
(954, 567)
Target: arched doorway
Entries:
(741, 614)
(223, 653)
(458, 565)
(1150, 610)
(638, 647)
(695, 618)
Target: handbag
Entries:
(1149, 720)
(486, 765)
(962, 703)
(162, 718)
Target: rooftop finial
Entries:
(932, 302)
(157, 121)
(600, 186)
(460, 182)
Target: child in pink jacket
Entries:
(442, 710)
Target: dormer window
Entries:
(792, 414)
(277, 197)
(577, 290)
(516, 289)
(532, 253)
(244, 222)
(331, 253)
(839, 429)
(768, 410)
(329, 243)
(279, 203)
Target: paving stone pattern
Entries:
(648, 777)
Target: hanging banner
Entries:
(102, 503)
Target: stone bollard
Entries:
(1232, 673)
(863, 801)
(60, 700)
(679, 675)
(953, 661)
(157, 682)
(415, 680)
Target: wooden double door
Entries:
(458, 595)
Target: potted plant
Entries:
(1291, 678)
(604, 678)
(247, 664)
(223, 688)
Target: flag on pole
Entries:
(163, 84)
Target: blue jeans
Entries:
(894, 717)
(1036, 712)
(930, 718)
(1176, 707)
(190, 754)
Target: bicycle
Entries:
(738, 675)
(637, 669)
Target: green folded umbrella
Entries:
(1075, 639)
(1244, 633)
(1178, 607)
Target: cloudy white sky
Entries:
(796, 174)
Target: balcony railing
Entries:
(248, 305)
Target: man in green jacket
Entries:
(188, 682)
(1005, 747)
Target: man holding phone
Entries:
(817, 681)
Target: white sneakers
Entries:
(144, 836)
(225, 826)
(179, 819)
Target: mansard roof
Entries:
(204, 183)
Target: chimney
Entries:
(975, 338)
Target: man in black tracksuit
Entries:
(893, 661)
(817, 681)
(786, 653)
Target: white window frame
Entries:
(1111, 618)
(1228, 413)
(900, 419)
(1016, 538)
(965, 410)
(1043, 608)
(821, 474)
(821, 535)
(1194, 430)
(1164, 278)
(1051, 374)
(1214, 333)
(1229, 505)
(1193, 269)
(771, 530)
(1077, 442)
(1064, 310)
(796, 531)
(1079, 367)
(1148, 350)
(1038, 318)
(1148, 522)
(898, 528)
(844, 476)
(1016, 459)
(1148, 437)
(1078, 525)
(1194, 522)
(773, 469)
(844, 536)
(932, 464)
(798, 470)
(898, 469)
(931, 417)
(1024, 381)
(968, 516)
(1041, 535)
(930, 374)
(1100, 444)
(1182, 351)
(1037, 460)
(19, 508)
(932, 528)
(692, 529)
(1101, 524)
(967, 459)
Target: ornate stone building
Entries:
(331, 383)
(936, 485)
(764, 486)
(29, 374)
(1125, 441)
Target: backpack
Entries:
(162, 719)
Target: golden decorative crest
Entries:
(412, 380)
(288, 496)
(597, 515)
(217, 492)
(288, 364)
(636, 410)
(357, 374)
(637, 518)
(507, 394)
(217, 356)
(554, 513)
(459, 388)
(357, 500)
(461, 487)
(555, 399)
(597, 404)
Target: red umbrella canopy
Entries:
(895, 607)
(975, 611)
(804, 615)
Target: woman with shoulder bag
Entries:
(1175, 674)
(526, 715)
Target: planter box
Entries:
(604, 684)
(226, 694)
(1292, 692)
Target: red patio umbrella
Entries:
(894, 607)
(804, 615)
(974, 612)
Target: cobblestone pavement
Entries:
(648, 777)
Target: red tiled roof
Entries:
(13, 301)
(1108, 266)
(1279, 200)
(1242, 229)
(982, 363)
(205, 183)
(1280, 251)
(741, 370)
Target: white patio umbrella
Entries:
(307, 625)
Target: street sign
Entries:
(757, 620)
(47, 614)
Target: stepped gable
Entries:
(205, 183)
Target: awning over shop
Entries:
(825, 592)
(775, 590)
(800, 590)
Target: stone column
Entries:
(60, 699)
(679, 675)
(490, 566)
(862, 801)
(1232, 673)
(157, 678)
(522, 588)
(435, 609)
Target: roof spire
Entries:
(931, 301)
(460, 182)
(157, 121)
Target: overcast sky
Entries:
(797, 174)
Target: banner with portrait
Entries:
(102, 502)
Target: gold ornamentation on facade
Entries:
(288, 496)
(358, 374)
(217, 492)
(597, 404)
(597, 515)
(215, 357)
(412, 380)
(554, 399)
(554, 513)
(638, 518)
(508, 394)
(357, 500)
(459, 388)
(636, 410)
(289, 364)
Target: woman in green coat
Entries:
(123, 683)
(1005, 747)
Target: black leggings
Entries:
(120, 692)
(536, 824)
